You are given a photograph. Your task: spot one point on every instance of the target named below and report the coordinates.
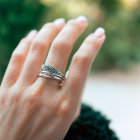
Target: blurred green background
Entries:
(120, 18)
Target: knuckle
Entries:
(60, 46)
(80, 60)
(3, 97)
(14, 98)
(95, 44)
(38, 46)
(91, 40)
(65, 108)
(32, 101)
(17, 56)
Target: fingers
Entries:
(61, 47)
(63, 43)
(17, 60)
(81, 63)
(38, 51)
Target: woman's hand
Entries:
(33, 107)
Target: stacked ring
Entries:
(51, 72)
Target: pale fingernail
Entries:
(99, 32)
(31, 34)
(81, 19)
(59, 21)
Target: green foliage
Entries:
(17, 17)
(122, 27)
(109, 5)
(122, 44)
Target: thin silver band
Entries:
(51, 77)
(47, 73)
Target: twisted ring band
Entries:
(48, 71)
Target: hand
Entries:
(33, 107)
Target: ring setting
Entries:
(51, 72)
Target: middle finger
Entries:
(63, 43)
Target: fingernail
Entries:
(59, 21)
(81, 19)
(31, 34)
(99, 32)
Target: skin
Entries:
(36, 108)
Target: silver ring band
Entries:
(52, 70)
(51, 77)
(48, 71)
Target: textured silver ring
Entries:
(48, 71)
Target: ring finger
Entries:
(63, 43)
